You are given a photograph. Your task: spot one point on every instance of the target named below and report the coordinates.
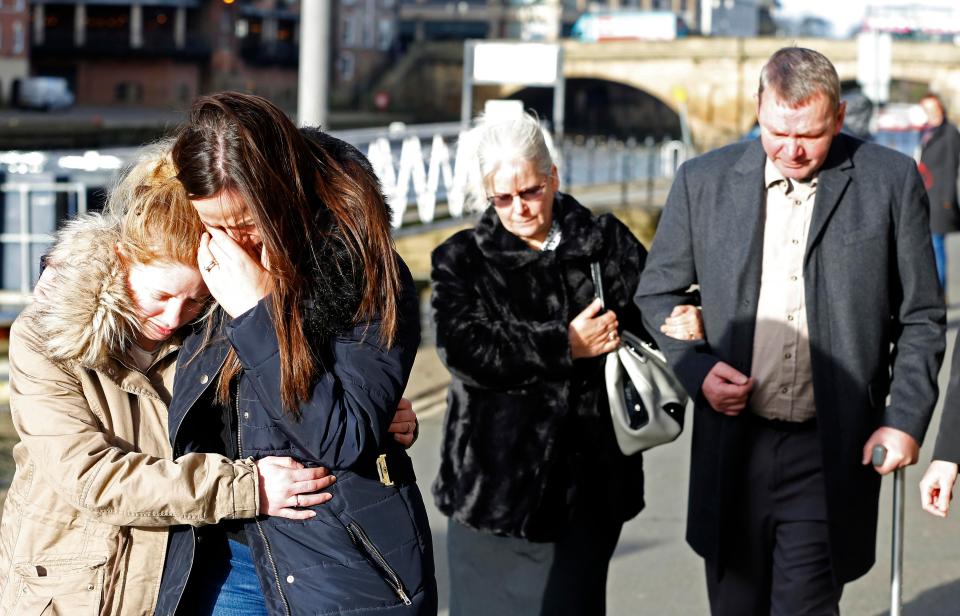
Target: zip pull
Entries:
(403, 597)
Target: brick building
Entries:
(14, 44)
(163, 53)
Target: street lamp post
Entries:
(314, 75)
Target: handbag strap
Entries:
(597, 282)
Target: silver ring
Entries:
(210, 266)
(611, 336)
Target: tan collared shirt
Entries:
(781, 343)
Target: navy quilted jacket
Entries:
(368, 551)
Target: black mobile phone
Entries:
(598, 284)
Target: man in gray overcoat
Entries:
(824, 326)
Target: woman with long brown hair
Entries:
(306, 356)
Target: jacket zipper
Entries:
(273, 564)
(359, 536)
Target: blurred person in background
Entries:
(939, 164)
(531, 476)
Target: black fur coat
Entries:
(528, 443)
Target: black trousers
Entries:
(778, 556)
(509, 576)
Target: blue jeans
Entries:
(940, 254)
(224, 583)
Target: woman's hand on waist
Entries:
(405, 426)
(286, 487)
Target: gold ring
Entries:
(611, 336)
(210, 266)
(691, 336)
(298, 500)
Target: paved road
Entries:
(654, 572)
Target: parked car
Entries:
(43, 93)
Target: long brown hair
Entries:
(245, 146)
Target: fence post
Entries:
(624, 178)
(591, 145)
(651, 168)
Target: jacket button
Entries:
(90, 587)
(289, 579)
(203, 379)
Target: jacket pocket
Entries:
(858, 236)
(59, 588)
(369, 550)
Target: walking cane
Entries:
(896, 552)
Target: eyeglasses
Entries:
(527, 195)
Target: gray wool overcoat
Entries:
(874, 308)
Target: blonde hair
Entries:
(157, 220)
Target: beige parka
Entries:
(84, 523)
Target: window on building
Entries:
(285, 30)
(369, 34)
(348, 31)
(128, 92)
(384, 34)
(18, 37)
(346, 66)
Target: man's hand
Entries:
(936, 487)
(902, 449)
(404, 425)
(285, 486)
(592, 335)
(727, 389)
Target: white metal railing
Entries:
(24, 196)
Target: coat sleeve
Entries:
(61, 428)
(478, 347)
(354, 400)
(920, 316)
(670, 271)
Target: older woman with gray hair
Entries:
(531, 476)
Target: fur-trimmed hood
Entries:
(87, 314)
